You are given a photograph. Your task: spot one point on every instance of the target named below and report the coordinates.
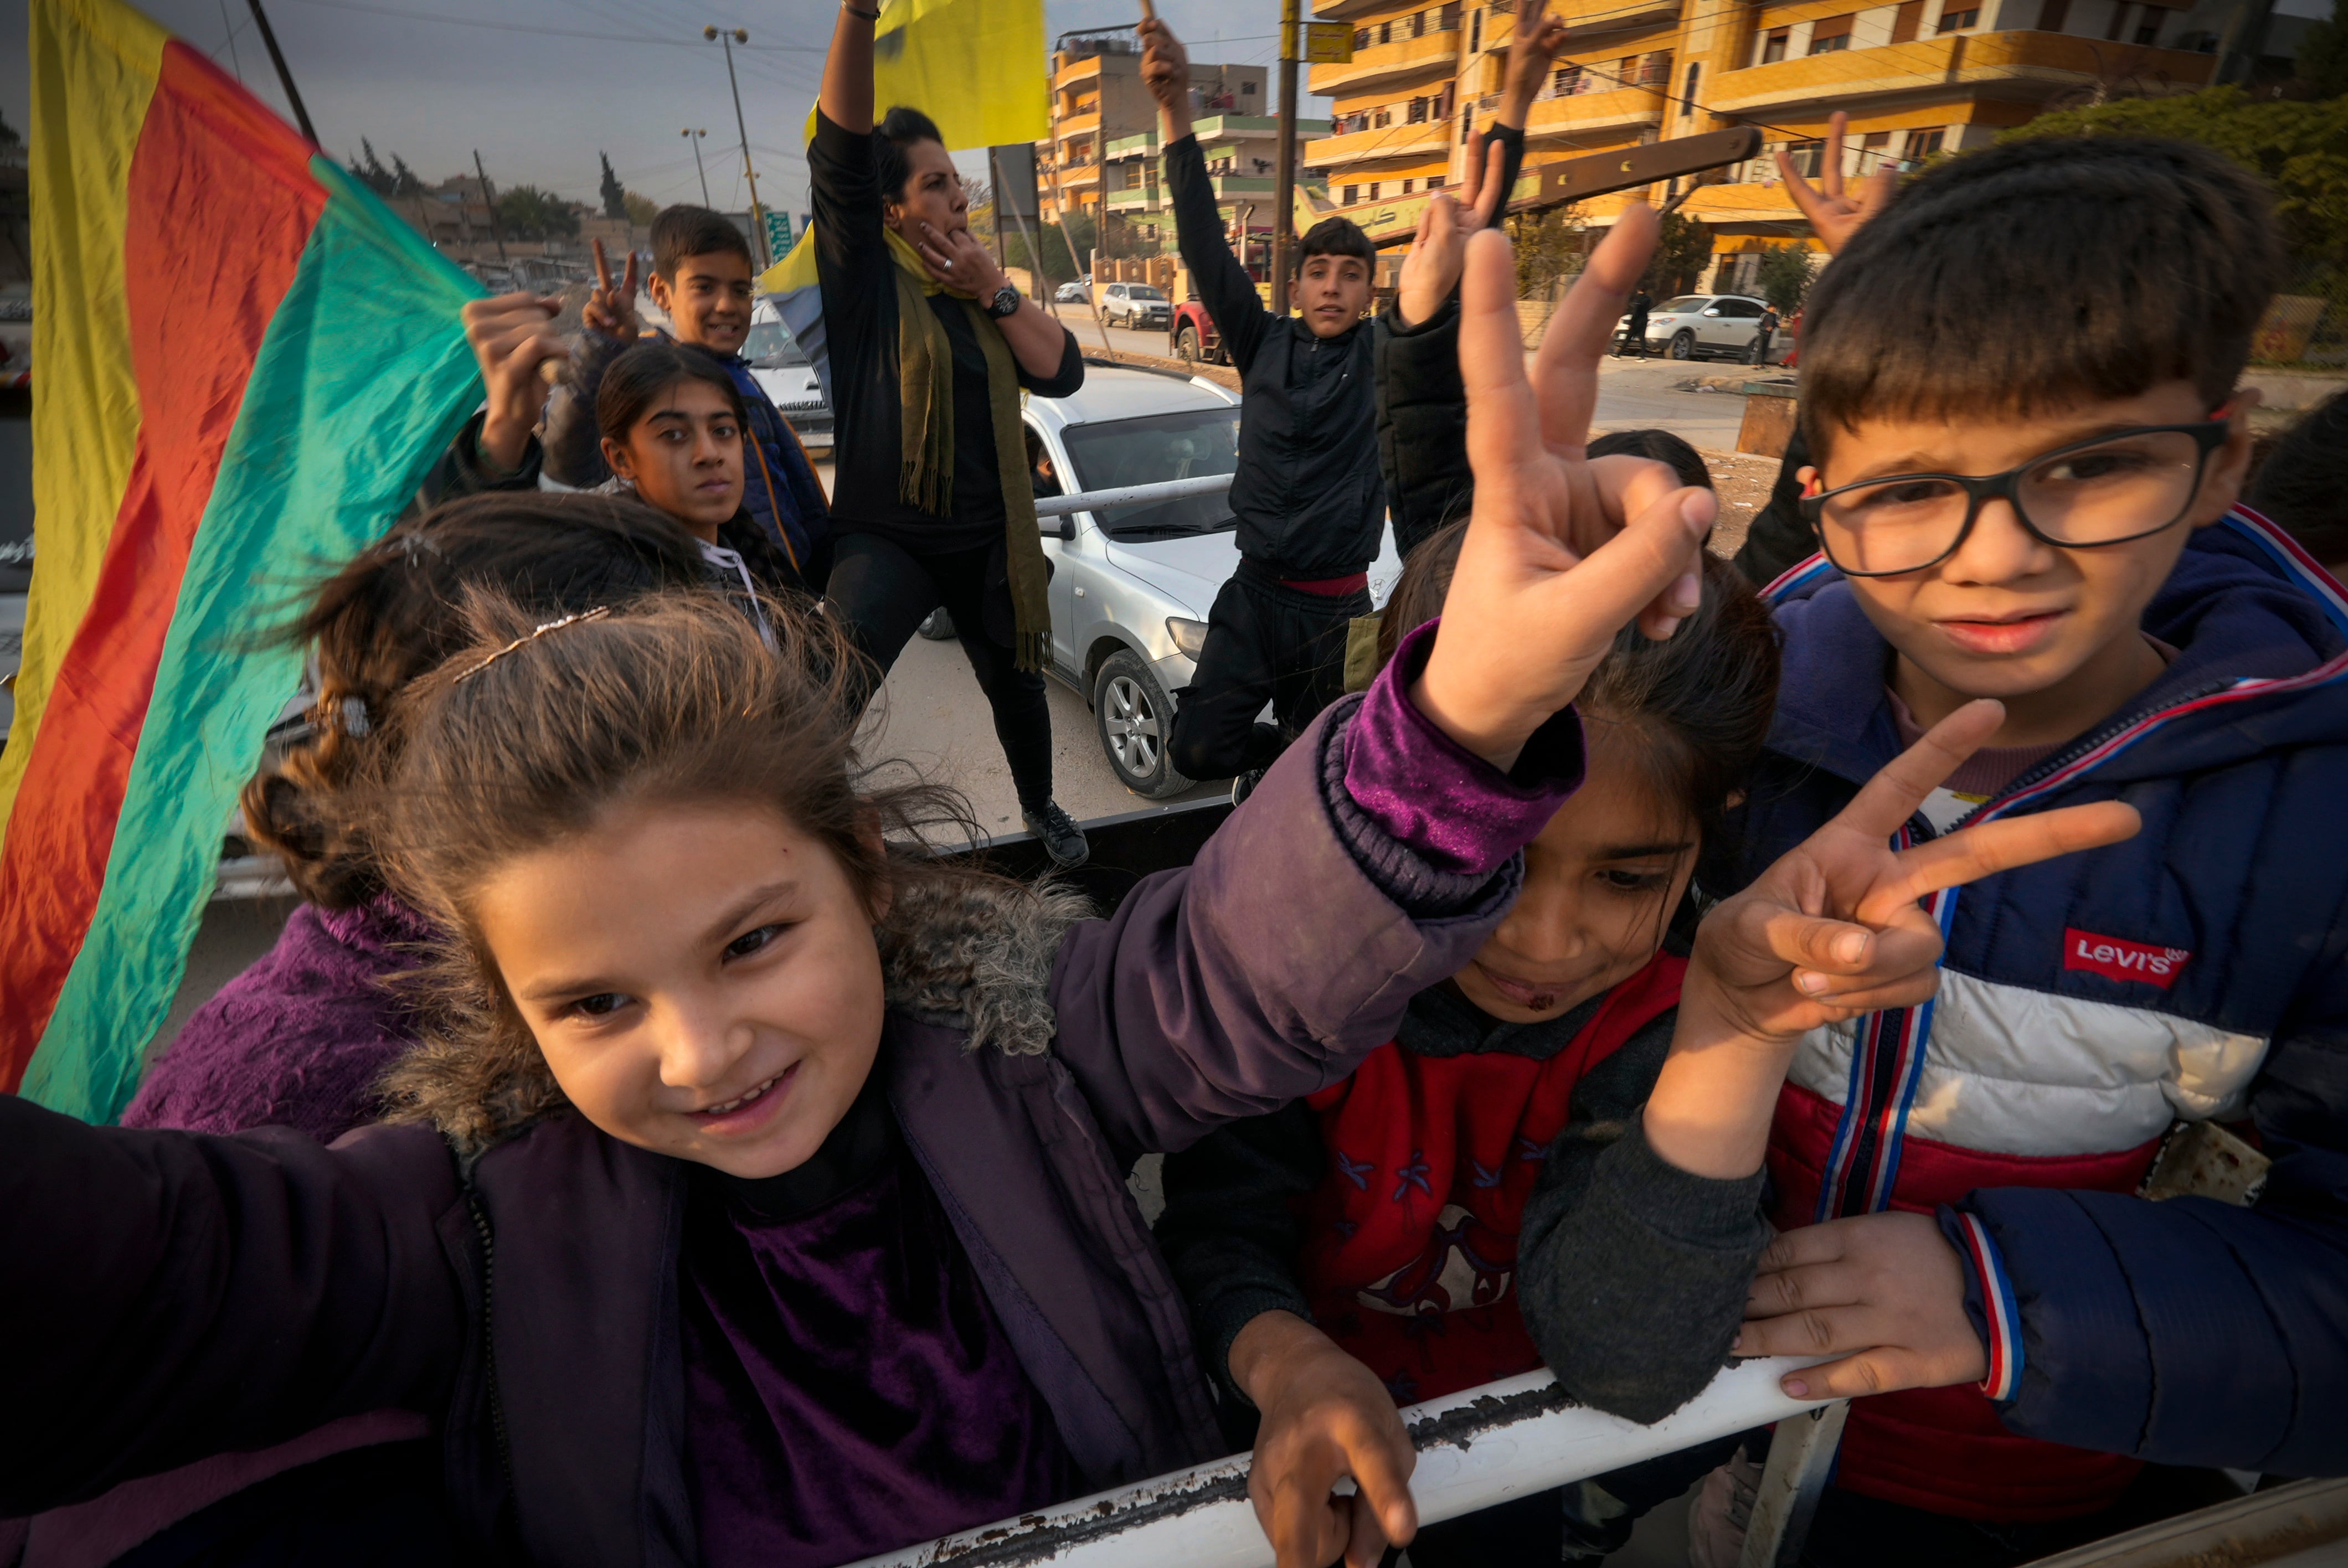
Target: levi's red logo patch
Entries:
(2117, 958)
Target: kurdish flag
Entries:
(243, 364)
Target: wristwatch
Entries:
(1005, 301)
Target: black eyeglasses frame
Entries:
(2207, 434)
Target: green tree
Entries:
(1551, 247)
(616, 196)
(1681, 248)
(640, 209)
(369, 171)
(528, 213)
(2301, 149)
(403, 181)
(1784, 277)
(2323, 58)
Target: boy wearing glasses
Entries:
(2019, 390)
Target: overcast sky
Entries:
(540, 85)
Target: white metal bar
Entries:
(1475, 1449)
(1130, 494)
(1801, 1456)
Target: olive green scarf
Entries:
(926, 470)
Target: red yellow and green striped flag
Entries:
(243, 363)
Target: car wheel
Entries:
(1684, 346)
(1186, 344)
(1135, 720)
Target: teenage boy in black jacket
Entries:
(1310, 503)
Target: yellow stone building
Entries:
(1916, 77)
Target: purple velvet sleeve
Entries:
(1426, 790)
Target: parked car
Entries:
(1699, 326)
(1131, 587)
(1135, 305)
(1072, 293)
(1192, 336)
(783, 370)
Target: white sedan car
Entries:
(1696, 326)
(1131, 586)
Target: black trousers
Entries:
(1265, 643)
(883, 592)
(1634, 340)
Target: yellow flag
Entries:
(975, 66)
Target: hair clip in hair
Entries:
(581, 617)
(353, 719)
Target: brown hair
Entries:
(393, 614)
(637, 377)
(2042, 273)
(675, 698)
(1697, 704)
(685, 230)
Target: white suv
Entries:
(1136, 305)
(1695, 326)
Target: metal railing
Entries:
(1475, 1449)
(1129, 496)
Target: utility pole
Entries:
(1285, 186)
(489, 197)
(693, 140)
(757, 214)
(284, 77)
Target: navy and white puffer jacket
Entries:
(2197, 971)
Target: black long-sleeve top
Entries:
(860, 323)
(1307, 492)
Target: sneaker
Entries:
(1063, 841)
(1244, 786)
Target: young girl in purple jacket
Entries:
(763, 1200)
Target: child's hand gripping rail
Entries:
(1476, 1448)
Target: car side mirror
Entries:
(1713, 311)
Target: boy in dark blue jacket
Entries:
(702, 278)
(2019, 390)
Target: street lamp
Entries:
(729, 37)
(692, 140)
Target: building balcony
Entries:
(1145, 199)
(1087, 175)
(1381, 66)
(1575, 114)
(1089, 68)
(2020, 65)
(1386, 142)
(1589, 20)
(1077, 124)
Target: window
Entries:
(1830, 34)
(1435, 182)
(1738, 310)
(1773, 47)
(1406, 186)
(1361, 38)
(1958, 21)
(1247, 89)
(1922, 144)
(1475, 31)
(1567, 81)
(1687, 90)
(1906, 20)
(1386, 32)
(1806, 156)
(1352, 194)
(1415, 113)
(2150, 32)
(2052, 14)
(1374, 190)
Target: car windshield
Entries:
(1144, 291)
(1685, 303)
(1115, 452)
(770, 347)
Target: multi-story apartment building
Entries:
(1104, 147)
(1241, 152)
(1916, 76)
